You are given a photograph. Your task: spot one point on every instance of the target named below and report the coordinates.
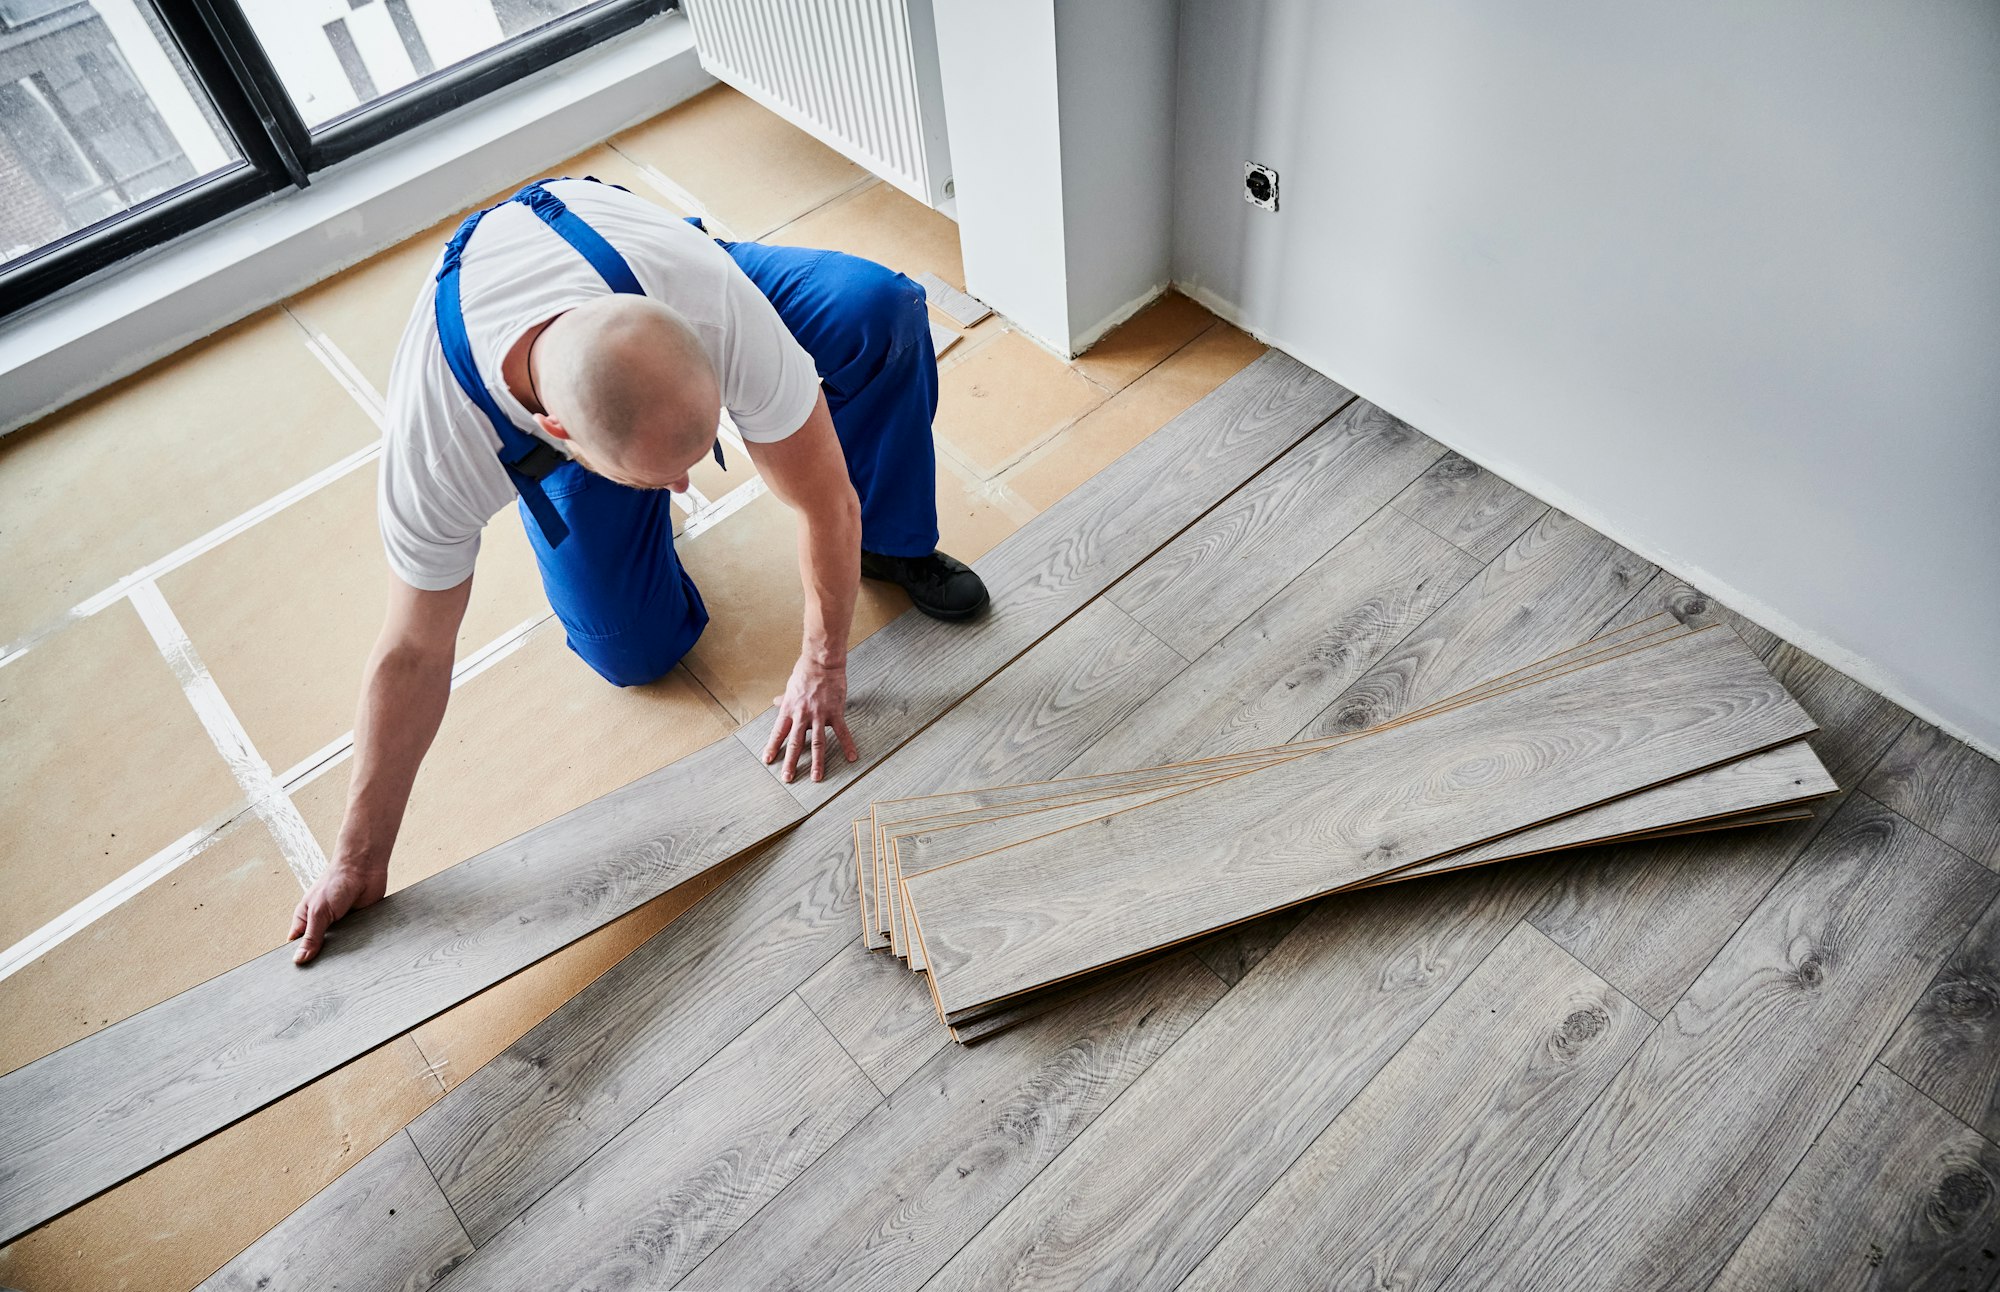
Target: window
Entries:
(98, 114)
(126, 122)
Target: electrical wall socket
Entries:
(1260, 186)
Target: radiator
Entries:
(859, 75)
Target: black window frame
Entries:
(279, 151)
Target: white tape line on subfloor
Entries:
(303, 773)
(107, 899)
(187, 551)
(351, 378)
(267, 799)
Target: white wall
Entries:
(1115, 73)
(1719, 278)
(1061, 116)
(998, 64)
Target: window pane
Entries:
(338, 55)
(98, 112)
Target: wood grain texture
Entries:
(893, 1200)
(1647, 917)
(1648, 1191)
(659, 1197)
(1949, 1045)
(1469, 507)
(389, 1196)
(1234, 952)
(1296, 652)
(1394, 1191)
(1142, 1196)
(1038, 912)
(1945, 786)
(1208, 580)
(1896, 1194)
(1008, 814)
(525, 1119)
(883, 1019)
(1787, 775)
(1553, 587)
(915, 668)
(1237, 951)
(90, 1114)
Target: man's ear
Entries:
(551, 425)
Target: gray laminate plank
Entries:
(98, 1110)
(1035, 913)
(1148, 1189)
(1234, 952)
(530, 1115)
(915, 668)
(1296, 652)
(1205, 583)
(1945, 786)
(1949, 1046)
(1143, 1195)
(656, 1200)
(1552, 588)
(1897, 1194)
(1697, 610)
(1648, 916)
(1394, 1191)
(1469, 507)
(963, 309)
(892, 1201)
(1788, 775)
(413, 1240)
(1673, 1164)
(881, 1015)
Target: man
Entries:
(575, 348)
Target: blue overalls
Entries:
(606, 551)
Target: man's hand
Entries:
(814, 700)
(340, 890)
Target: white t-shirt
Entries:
(441, 478)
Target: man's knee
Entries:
(628, 659)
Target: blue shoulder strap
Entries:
(526, 458)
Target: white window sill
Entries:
(140, 310)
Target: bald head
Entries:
(627, 378)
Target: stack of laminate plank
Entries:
(1014, 898)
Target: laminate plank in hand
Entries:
(102, 1108)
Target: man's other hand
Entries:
(340, 890)
(815, 700)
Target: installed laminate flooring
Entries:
(1756, 1059)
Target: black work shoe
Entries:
(940, 586)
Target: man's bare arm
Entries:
(403, 697)
(808, 473)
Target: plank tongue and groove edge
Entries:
(86, 1117)
(100, 1109)
(1033, 914)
